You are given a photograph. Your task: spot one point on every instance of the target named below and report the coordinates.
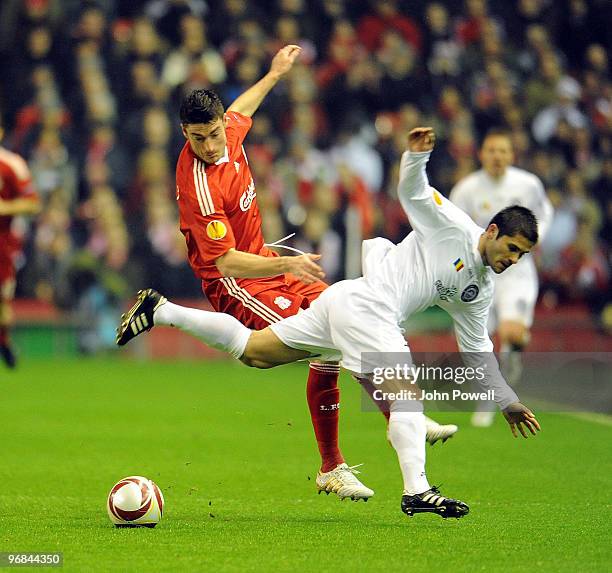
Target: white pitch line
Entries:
(557, 408)
(595, 418)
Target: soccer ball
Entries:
(135, 501)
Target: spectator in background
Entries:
(547, 121)
(167, 15)
(388, 17)
(193, 51)
(442, 50)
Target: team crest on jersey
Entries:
(469, 293)
(216, 230)
(248, 196)
(282, 302)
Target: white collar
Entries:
(224, 159)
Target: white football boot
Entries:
(344, 483)
(437, 431)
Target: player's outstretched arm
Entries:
(519, 417)
(413, 184)
(239, 264)
(248, 102)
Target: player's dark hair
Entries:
(201, 106)
(516, 220)
(496, 132)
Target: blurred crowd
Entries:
(90, 94)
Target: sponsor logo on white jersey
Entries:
(248, 196)
(444, 292)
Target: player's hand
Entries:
(421, 139)
(284, 58)
(305, 268)
(520, 417)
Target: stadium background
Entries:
(90, 93)
(89, 96)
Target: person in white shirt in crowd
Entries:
(447, 261)
(481, 194)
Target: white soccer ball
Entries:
(135, 501)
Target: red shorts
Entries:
(256, 303)
(7, 265)
(10, 246)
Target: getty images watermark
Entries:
(557, 381)
(411, 375)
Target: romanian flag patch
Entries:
(458, 264)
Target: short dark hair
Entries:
(201, 106)
(516, 220)
(497, 132)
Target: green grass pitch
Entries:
(233, 451)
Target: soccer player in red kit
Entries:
(220, 219)
(17, 197)
(221, 222)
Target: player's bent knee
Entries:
(255, 363)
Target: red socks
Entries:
(323, 398)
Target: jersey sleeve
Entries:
(477, 350)
(427, 210)
(238, 126)
(204, 222)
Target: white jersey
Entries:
(437, 264)
(481, 197)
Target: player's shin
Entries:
(511, 362)
(215, 329)
(407, 436)
(323, 398)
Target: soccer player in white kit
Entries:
(482, 194)
(447, 261)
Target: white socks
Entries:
(407, 435)
(214, 329)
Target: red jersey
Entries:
(218, 203)
(15, 183)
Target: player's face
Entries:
(496, 155)
(503, 252)
(207, 140)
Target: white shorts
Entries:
(516, 293)
(347, 320)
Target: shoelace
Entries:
(279, 244)
(435, 490)
(352, 472)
